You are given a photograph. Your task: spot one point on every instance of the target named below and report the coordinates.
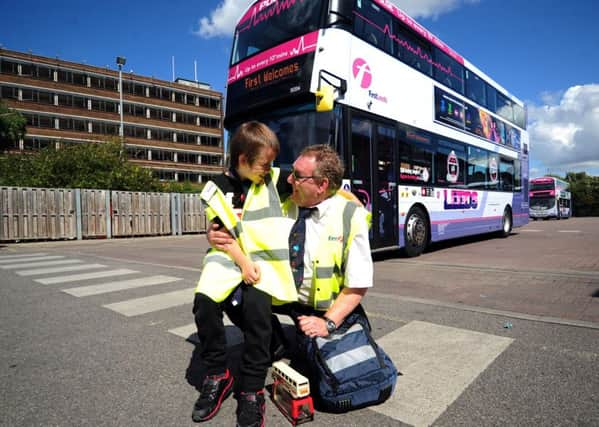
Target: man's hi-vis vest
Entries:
(262, 234)
(328, 265)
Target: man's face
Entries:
(308, 190)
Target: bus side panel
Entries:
(455, 212)
(521, 205)
(520, 209)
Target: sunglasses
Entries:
(298, 178)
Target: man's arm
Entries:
(346, 302)
(218, 236)
(220, 239)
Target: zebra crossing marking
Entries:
(26, 259)
(61, 269)
(138, 306)
(85, 276)
(438, 363)
(40, 264)
(84, 291)
(233, 333)
(15, 256)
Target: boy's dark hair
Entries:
(250, 139)
(328, 164)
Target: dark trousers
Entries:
(253, 311)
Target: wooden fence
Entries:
(50, 213)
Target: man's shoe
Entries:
(250, 409)
(215, 389)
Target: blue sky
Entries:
(545, 52)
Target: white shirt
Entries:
(358, 268)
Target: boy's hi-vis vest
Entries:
(262, 234)
(328, 266)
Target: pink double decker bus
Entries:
(550, 198)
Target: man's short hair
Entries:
(328, 164)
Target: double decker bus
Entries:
(549, 198)
(433, 147)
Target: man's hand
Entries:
(313, 326)
(218, 237)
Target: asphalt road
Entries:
(486, 331)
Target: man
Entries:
(337, 264)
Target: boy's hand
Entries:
(250, 273)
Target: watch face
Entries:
(331, 326)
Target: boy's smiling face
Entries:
(256, 171)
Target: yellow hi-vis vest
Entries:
(328, 264)
(262, 234)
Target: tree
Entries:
(99, 165)
(585, 193)
(12, 127)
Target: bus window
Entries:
(478, 170)
(504, 107)
(415, 160)
(448, 71)
(475, 88)
(412, 52)
(491, 97)
(519, 117)
(450, 163)
(506, 174)
(373, 25)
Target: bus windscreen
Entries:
(269, 23)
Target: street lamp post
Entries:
(121, 60)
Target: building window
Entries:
(8, 92)
(8, 67)
(164, 175)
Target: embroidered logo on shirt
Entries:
(335, 238)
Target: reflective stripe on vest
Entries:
(329, 264)
(262, 234)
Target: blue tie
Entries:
(297, 238)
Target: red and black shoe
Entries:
(215, 389)
(250, 409)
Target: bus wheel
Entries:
(506, 223)
(416, 232)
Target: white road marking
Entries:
(61, 269)
(569, 231)
(438, 363)
(138, 306)
(84, 291)
(40, 264)
(530, 230)
(234, 334)
(15, 256)
(85, 276)
(26, 259)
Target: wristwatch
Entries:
(331, 327)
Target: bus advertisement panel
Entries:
(433, 147)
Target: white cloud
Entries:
(430, 8)
(564, 132)
(222, 20)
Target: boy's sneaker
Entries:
(215, 389)
(250, 409)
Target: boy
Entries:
(257, 258)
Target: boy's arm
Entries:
(250, 271)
